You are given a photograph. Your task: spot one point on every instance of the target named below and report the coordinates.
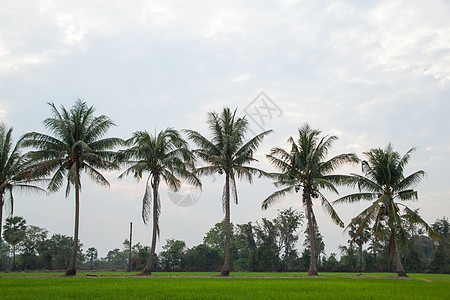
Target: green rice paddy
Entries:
(241, 285)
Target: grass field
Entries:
(241, 285)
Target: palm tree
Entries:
(164, 157)
(227, 153)
(360, 238)
(75, 146)
(12, 164)
(383, 183)
(304, 167)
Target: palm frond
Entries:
(96, 175)
(146, 202)
(410, 180)
(356, 198)
(414, 218)
(328, 208)
(275, 196)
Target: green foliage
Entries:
(203, 258)
(165, 157)
(385, 185)
(75, 146)
(440, 262)
(91, 255)
(304, 167)
(215, 237)
(33, 236)
(173, 255)
(12, 175)
(14, 230)
(227, 152)
(56, 252)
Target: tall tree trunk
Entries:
(398, 262)
(149, 266)
(129, 255)
(226, 265)
(312, 234)
(72, 268)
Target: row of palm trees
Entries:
(76, 144)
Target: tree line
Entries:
(264, 245)
(76, 144)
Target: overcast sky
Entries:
(370, 72)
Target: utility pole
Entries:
(131, 243)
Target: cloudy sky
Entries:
(370, 72)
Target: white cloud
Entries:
(242, 77)
(372, 73)
(3, 110)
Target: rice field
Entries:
(241, 285)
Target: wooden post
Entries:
(131, 243)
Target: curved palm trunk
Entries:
(398, 262)
(151, 259)
(71, 269)
(226, 265)
(312, 235)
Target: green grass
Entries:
(329, 286)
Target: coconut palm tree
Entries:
(227, 153)
(12, 176)
(76, 145)
(360, 239)
(304, 167)
(383, 183)
(165, 157)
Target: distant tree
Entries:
(227, 152)
(360, 239)
(216, 237)
(348, 256)
(33, 236)
(172, 256)
(202, 258)
(14, 233)
(246, 248)
(304, 167)
(440, 261)
(331, 264)
(165, 157)
(12, 176)
(319, 246)
(287, 223)
(383, 183)
(267, 252)
(91, 255)
(75, 146)
(56, 252)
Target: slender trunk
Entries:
(312, 235)
(72, 269)
(149, 266)
(360, 257)
(226, 265)
(129, 256)
(398, 262)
